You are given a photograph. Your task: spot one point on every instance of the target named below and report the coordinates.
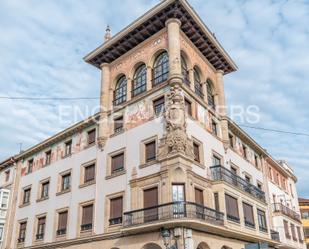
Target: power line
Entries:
(49, 98)
(275, 130)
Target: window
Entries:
(283, 183)
(22, 232)
(68, 148)
(118, 125)
(184, 71)
(259, 185)
(305, 214)
(41, 228)
(150, 151)
(188, 107)
(244, 149)
(150, 203)
(7, 175)
(44, 190)
(158, 106)
(30, 166)
(1, 231)
(232, 211)
(277, 178)
(306, 232)
(87, 217)
(293, 232)
(216, 161)
(197, 83)
(91, 137)
(248, 178)
(270, 174)
(89, 174)
(210, 94)
(116, 211)
(26, 198)
(139, 80)
(217, 203)
(300, 237)
(256, 161)
(196, 151)
(66, 182)
(47, 157)
(62, 223)
(120, 93)
(262, 220)
(231, 140)
(248, 215)
(214, 128)
(292, 194)
(160, 69)
(117, 163)
(234, 170)
(199, 197)
(5, 200)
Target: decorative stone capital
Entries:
(220, 72)
(104, 64)
(173, 20)
(102, 142)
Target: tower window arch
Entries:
(139, 80)
(160, 69)
(120, 93)
(197, 82)
(210, 94)
(184, 70)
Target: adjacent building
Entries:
(304, 209)
(161, 165)
(7, 179)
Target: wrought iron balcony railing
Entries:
(275, 235)
(279, 207)
(173, 210)
(220, 173)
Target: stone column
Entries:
(129, 88)
(149, 78)
(221, 108)
(104, 104)
(173, 31)
(191, 78)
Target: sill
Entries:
(119, 173)
(117, 133)
(63, 192)
(24, 205)
(144, 165)
(89, 145)
(86, 233)
(115, 225)
(263, 230)
(86, 184)
(20, 244)
(253, 228)
(66, 156)
(42, 199)
(199, 164)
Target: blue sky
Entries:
(42, 44)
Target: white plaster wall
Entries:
(71, 199)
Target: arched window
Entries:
(139, 80)
(197, 83)
(120, 93)
(184, 71)
(160, 69)
(210, 94)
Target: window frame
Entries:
(158, 109)
(139, 80)
(21, 239)
(120, 91)
(62, 232)
(162, 66)
(261, 216)
(91, 142)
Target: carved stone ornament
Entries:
(102, 142)
(176, 139)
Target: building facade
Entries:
(304, 209)
(7, 179)
(161, 165)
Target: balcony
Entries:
(172, 211)
(220, 173)
(280, 208)
(275, 235)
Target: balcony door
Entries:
(179, 200)
(151, 204)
